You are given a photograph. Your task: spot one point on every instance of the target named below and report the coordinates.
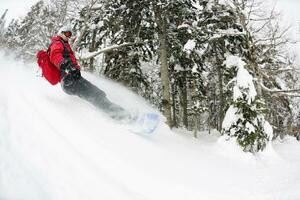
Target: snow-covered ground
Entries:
(57, 147)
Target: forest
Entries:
(205, 64)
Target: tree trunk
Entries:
(92, 49)
(184, 99)
(164, 69)
(195, 119)
(221, 98)
(175, 124)
(196, 114)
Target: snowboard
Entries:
(145, 123)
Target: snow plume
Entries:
(244, 119)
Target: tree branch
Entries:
(104, 50)
(279, 91)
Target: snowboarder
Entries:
(72, 83)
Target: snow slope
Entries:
(57, 147)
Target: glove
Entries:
(76, 73)
(67, 69)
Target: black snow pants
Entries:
(89, 92)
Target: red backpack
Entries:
(49, 71)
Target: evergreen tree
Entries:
(159, 26)
(40, 24)
(244, 119)
(34, 31)
(219, 33)
(268, 61)
(12, 38)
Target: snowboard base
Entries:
(145, 124)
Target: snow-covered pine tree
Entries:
(219, 33)
(268, 59)
(244, 119)
(184, 62)
(12, 41)
(166, 31)
(91, 31)
(147, 25)
(28, 32)
(125, 23)
(34, 31)
(195, 33)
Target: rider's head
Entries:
(65, 32)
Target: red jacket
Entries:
(56, 52)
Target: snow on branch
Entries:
(280, 70)
(107, 49)
(280, 91)
(222, 33)
(30, 53)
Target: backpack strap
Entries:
(66, 53)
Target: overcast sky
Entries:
(290, 9)
(15, 8)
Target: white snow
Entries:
(244, 79)
(268, 129)
(250, 128)
(244, 86)
(236, 93)
(189, 46)
(234, 61)
(197, 5)
(57, 147)
(183, 26)
(230, 118)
